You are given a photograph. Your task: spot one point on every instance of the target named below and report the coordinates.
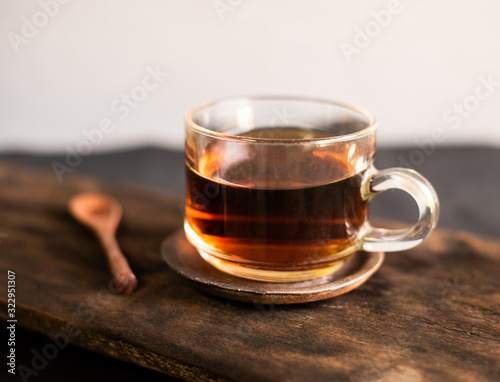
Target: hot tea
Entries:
(268, 209)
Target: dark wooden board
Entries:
(429, 314)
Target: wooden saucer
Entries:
(183, 258)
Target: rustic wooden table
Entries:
(431, 313)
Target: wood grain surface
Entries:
(429, 314)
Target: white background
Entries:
(64, 80)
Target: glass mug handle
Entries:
(376, 239)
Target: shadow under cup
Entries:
(278, 188)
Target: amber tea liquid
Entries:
(260, 211)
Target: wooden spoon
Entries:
(102, 214)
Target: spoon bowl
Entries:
(96, 211)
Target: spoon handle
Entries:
(124, 278)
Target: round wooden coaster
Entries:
(183, 258)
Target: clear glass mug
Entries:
(278, 187)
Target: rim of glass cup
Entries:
(372, 123)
